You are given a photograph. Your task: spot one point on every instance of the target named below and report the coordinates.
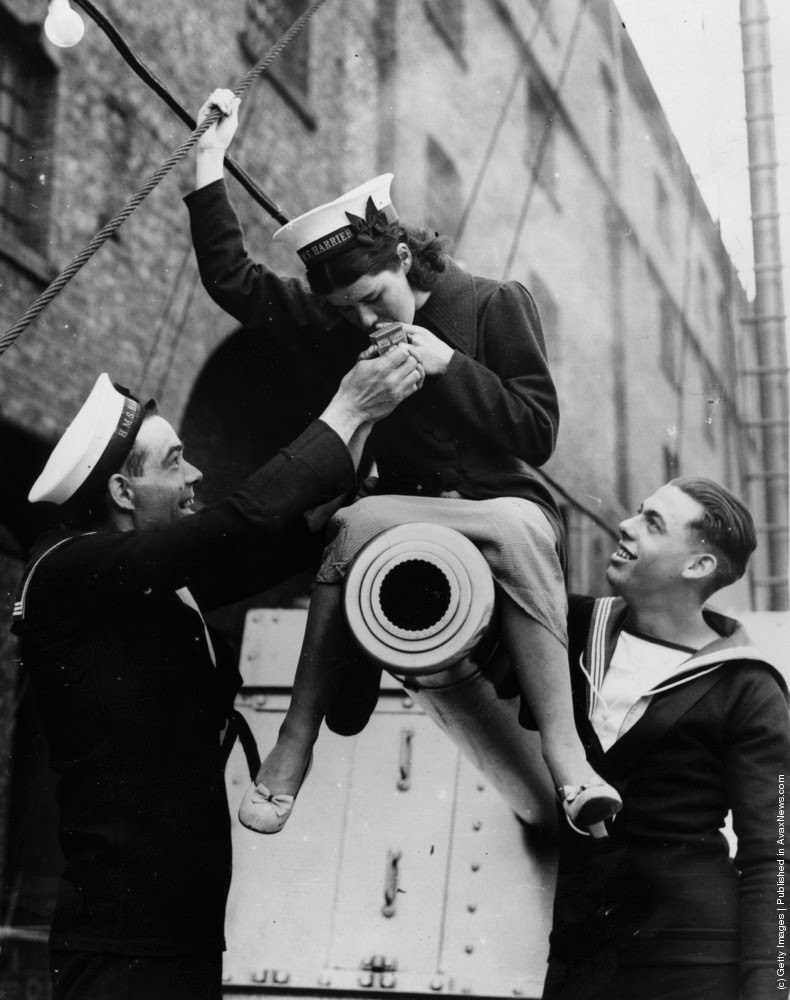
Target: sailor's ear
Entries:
(701, 566)
(121, 492)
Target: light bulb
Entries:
(63, 26)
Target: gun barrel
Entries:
(420, 601)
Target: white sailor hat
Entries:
(325, 231)
(93, 446)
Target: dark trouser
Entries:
(646, 982)
(88, 975)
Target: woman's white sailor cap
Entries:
(93, 446)
(325, 231)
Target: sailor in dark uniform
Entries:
(680, 711)
(134, 694)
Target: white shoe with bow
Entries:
(265, 811)
(587, 806)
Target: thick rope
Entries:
(148, 77)
(168, 317)
(120, 217)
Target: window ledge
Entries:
(671, 380)
(547, 189)
(551, 195)
(449, 40)
(296, 101)
(25, 259)
(292, 96)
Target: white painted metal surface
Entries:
(469, 910)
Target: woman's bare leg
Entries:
(541, 664)
(320, 662)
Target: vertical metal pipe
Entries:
(769, 320)
(615, 236)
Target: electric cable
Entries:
(59, 283)
(474, 193)
(168, 315)
(180, 327)
(685, 327)
(539, 155)
(520, 72)
(148, 77)
(544, 142)
(582, 508)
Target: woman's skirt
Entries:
(514, 536)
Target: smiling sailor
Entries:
(680, 711)
(133, 694)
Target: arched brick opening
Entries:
(247, 402)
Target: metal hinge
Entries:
(378, 971)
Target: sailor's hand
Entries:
(433, 353)
(374, 352)
(378, 383)
(219, 135)
(372, 389)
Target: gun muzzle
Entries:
(419, 600)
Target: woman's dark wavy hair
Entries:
(380, 253)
